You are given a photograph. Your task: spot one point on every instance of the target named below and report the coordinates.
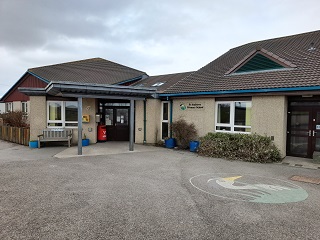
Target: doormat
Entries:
(305, 179)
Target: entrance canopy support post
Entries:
(131, 125)
(79, 125)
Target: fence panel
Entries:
(15, 135)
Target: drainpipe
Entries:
(171, 112)
(145, 121)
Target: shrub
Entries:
(244, 147)
(14, 119)
(184, 132)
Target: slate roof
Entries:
(94, 70)
(168, 80)
(299, 53)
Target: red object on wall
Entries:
(102, 133)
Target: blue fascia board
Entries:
(264, 90)
(41, 78)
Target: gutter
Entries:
(263, 90)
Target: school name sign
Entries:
(191, 106)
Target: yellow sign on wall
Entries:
(85, 118)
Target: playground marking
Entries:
(248, 188)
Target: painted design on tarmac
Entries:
(249, 188)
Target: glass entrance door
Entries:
(116, 117)
(117, 122)
(303, 135)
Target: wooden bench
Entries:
(55, 135)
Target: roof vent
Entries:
(312, 47)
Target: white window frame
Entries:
(8, 107)
(231, 125)
(62, 121)
(165, 121)
(24, 108)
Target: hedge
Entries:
(244, 147)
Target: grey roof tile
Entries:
(94, 70)
(168, 80)
(303, 67)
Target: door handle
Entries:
(313, 133)
(309, 133)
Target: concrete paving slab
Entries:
(300, 162)
(106, 148)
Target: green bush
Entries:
(244, 147)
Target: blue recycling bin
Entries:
(170, 143)
(194, 146)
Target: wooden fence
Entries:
(15, 135)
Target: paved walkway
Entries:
(108, 148)
(300, 162)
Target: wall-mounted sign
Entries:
(85, 118)
(192, 106)
(317, 127)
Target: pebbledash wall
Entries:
(268, 117)
(153, 121)
(38, 118)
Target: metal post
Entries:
(171, 113)
(131, 125)
(79, 125)
(145, 121)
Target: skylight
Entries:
(158, 84)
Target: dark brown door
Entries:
(303, 135)
(117, 122)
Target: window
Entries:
(8, 107)
(62, 113)
(165, 120)
(158, 84)
(24, 108)
(233, 116)
(259, 63)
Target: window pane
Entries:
(300, 120)
(118, 104)
(109, 117)
(122, 117)
(242, 114)
(224, 113)
(237, 129)
(71, 111)
(71, 124)
(165, 114)
(165, 130)
(24, 107)
(54, 111)
(54, 124)
(223, 128)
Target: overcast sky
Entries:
(158, 37)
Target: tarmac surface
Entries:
(146, 194)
